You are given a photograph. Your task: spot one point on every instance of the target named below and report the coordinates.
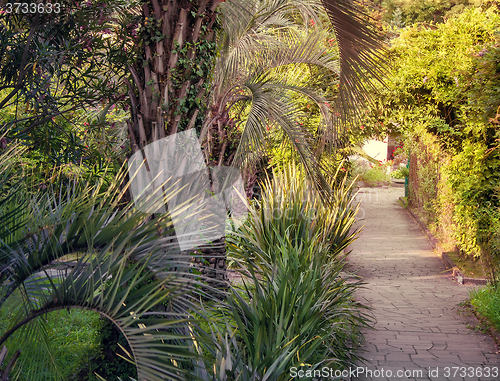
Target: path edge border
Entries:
(450, 265)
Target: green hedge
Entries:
(442, 95)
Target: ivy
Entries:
(447, 110)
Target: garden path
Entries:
(415, 302)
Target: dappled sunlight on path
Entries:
(418, 324)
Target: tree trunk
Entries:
(213, 264)
(168, 86)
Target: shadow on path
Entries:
(420, 333)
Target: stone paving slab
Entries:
(418, 325)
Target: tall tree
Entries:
(173, 75)
(55, 65)
(178, 47)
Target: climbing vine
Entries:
(447, 112)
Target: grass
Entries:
(471, 268)
(76, 347)
(486, 303)
(72, 335)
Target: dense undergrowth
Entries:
(295, 308)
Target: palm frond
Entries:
(362, 53)
(107, 283)
(130, 270)
(265, 28)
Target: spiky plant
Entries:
(127, 271)
(299, 310)
(295, 308)
(290, 205)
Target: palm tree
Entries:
(255, 80)
(125, 271)
(178, 42)
(179, 45)
(179, 82)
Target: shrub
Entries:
(374, 176)
(296, 308)
(300, 311)
(401, 173)
(290, 206)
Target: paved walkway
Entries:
(414, 303)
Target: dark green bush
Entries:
(447, 112)
(107, 359)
